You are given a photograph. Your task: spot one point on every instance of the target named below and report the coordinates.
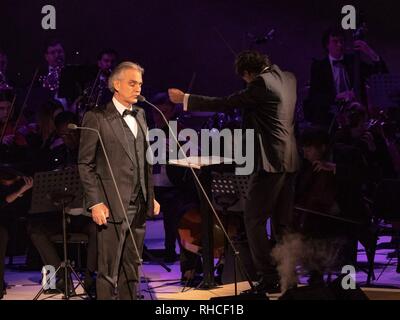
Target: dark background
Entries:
(174, 39)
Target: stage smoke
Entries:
(296, 255)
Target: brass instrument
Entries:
(51, 81)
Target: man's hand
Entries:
(176, 95)
(156, 208)
(362, 46)
(324, 166)
(28, 184)
(100, 213)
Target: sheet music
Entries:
(198, 162)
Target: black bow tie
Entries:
(132, 113)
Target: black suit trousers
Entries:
(108, 241)
(270, 195)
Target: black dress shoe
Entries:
(4, 291)
(264, 287)
(90, 286)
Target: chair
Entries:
(385, 207)
(78, 239)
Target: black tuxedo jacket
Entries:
(95, 176)
(268, 105)
(322, 92)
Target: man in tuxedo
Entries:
(122, 127)
(50, 78)
(333, 78)
(47, 81)
(268, 105)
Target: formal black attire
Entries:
(268, 105)
(127, 155)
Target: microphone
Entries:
(203, 191)
(114, 280)
(140, 98)
(72, 126)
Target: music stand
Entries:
(203, 166)
(229, 191)
(203, 178)
(54, 191)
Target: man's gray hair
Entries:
(116, 73)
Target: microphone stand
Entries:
(114, 279)
(220, 224)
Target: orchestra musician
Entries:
(12, 187)
(332, 79)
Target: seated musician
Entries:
(368, 136)
(13, 144)
(12, 187)
(63, 151)
(376, 140)
(87, 87)
(43, 137)
(50, 80)
(106, 62)
(330, 182)
(42, 227)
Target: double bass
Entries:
(359, 34)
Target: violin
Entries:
(190, 233)
(16, 134)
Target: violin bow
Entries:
(3, 131)
(26, 98)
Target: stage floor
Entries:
(163, 285)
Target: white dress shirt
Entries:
(338, 73)
(185, 101)
(130, 120)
